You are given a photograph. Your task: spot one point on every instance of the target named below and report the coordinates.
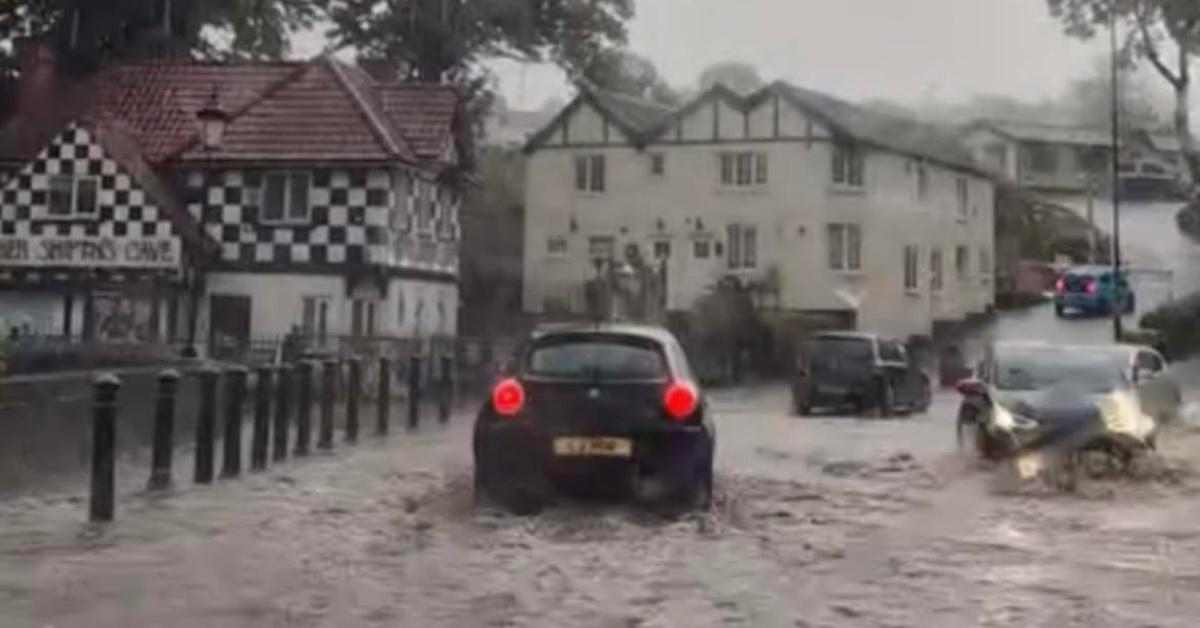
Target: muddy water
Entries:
(818, 522)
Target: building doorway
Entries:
(229, 328)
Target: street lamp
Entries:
(1116, 172)
(213, 120)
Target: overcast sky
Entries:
(903, 50)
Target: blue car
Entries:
(1093, 290)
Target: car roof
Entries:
(1018, 347)
(1089, 269)
(649, 332)
(847, 335)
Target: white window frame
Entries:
(316, 331)
(658, 165)
(912, 268)
(590, 163)
(985, 265)
(702, 244)
(557, 251)
(741, 246)
(742, 169)
(848, 159)
(962, 261)
(286, 218)
(609, 243)
(937, 265)
(73, 213)
(849, 259)
(962, 189)
(664, 243)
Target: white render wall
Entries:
(791, 214)
(277, 303)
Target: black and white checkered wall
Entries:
(352, 217)
(122, 209)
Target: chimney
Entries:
(39, 72)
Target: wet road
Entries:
(831, 521)
(819, 522)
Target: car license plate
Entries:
(593, 446)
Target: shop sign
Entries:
(86, 252)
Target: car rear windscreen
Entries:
(1077, 283)
(823, 350)
(597, 358)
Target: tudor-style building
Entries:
(830, 210)
(321, 198)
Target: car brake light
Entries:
(508, 397)
(1060, 285)
(680, 400)
(1091, 286)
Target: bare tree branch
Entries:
(1151, 49)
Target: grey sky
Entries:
(904, 50)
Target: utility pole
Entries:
(1117, 308)
(1092, 184)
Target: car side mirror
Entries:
(971, 387)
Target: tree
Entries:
(1088, 100)
(620, 70)
(87, 32)
(742, 78)
(1154, 27)
(447, 41)
(443, 40)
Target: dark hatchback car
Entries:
(611, 409)
(865, 371)
(1033, 395)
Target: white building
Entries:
(325, 204)
(883, 222)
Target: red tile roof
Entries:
(158, 101)
(294, 111)
(425, 115)
(310, 116)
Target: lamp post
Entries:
(212, 120)
(1117, 310)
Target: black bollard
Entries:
(414, 392)
(164, 432)
(328, 381)
(446, 392)
(353, 390)
(104, 444)
(261, 434)
(283, 412)
(304, 384)
(206, 425)
(385, 396)
(235, 399)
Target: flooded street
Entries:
(819, 522)
(829, 521)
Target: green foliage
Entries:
(620, 70)
(89, 31)
(1176, 325)
(445, 40)
(742, 78)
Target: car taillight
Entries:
(1060, 285)
(679, 400)
(1091, 286)
(508, 397)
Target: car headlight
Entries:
(1005, 419)
(1122, 414)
